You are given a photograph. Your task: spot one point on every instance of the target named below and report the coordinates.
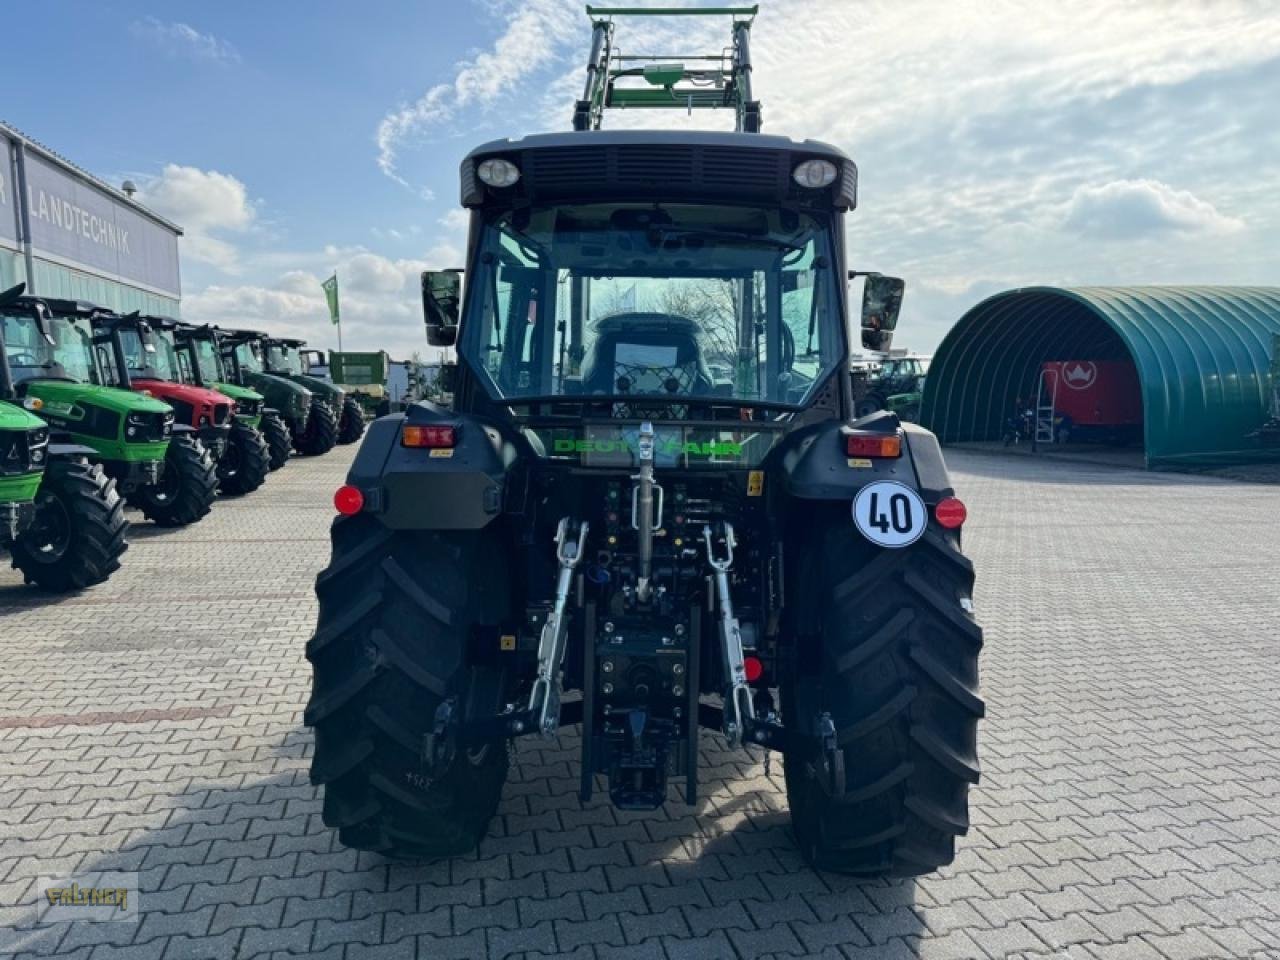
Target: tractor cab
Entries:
(56, 370)
(287, 358)
(60, 515)
(204, 361)
(146, 359)
(284, 357)
(303, 401)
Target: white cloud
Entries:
(199, 199)
(182, 41)
(371, 273)
(535, 35)
(204, 203)
(1126, 209)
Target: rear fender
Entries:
(816, 466)
(411, 488)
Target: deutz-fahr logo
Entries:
(666, 448)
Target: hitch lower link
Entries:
(544, 697)
(739, 709)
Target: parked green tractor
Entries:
(649, 507)
(264, 405)
(201, 363)
(286, 358)
(312, 423)
(60, 515)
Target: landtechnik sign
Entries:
(76, 223)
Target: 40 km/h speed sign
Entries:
(890, 514)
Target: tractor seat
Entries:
(649, 354)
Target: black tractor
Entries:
(650, 508)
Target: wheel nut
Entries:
(608, 626)
(677, 668)
(607, 666)
(608, 688)
(677, 690)
(679, 629)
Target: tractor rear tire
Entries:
(897, 670)
(396, 615)
(351, 427)
(79, 533)
(187, 488)
(246, 461)
(321, 434)
(869, 404)
(279, 442)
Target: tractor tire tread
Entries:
(383, 661)
(100, 532)
(898, 672)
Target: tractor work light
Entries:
(430, 438)
(497, 172)
(815, 174)
(873, 445)
(950, 512)
(348, 500)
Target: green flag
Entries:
(331, 294)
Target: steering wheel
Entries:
(24, 360)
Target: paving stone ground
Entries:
(1130, 806)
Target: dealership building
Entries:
(67, 234)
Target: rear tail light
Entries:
(348, 500)
(950, 513)
(753, 667)
(432, 438)
(873, 445)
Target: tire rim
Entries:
(167, 489)
(50, 534)
(231, 460)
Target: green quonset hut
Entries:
(1202, 358)
(69, 235)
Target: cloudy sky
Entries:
(1000, 143)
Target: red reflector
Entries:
(950, 513)
(348, 500)
(434, 438)
(873, 445)
(755, 669)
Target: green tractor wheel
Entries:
(322, 430)
(351, 426)
(245, 463)
(279, 443)
(78, 534)
(187, 488)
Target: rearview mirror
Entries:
(441, 300)
(881, 303)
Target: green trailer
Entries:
(362, 375)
